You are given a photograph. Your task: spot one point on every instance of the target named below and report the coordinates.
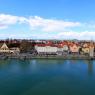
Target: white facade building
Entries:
(51, 49)
(46, 49)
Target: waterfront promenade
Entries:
(30, 56)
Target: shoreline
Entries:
(64, 57)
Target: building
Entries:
(15, 50)
(74, 48)
(62, 48)
(85, 48)
(45, 49)
(5, 49)
(91, 50)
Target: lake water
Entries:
(47, 77)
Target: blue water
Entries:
(47, 77)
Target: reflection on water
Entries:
(90, 67)
(47, 77)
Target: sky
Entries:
(47, 19)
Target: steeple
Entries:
(91, 49)
(4, 46)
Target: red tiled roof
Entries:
(60, 45)
(72, 44)
(43, 45)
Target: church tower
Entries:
(91, 49)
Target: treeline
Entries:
(27, 46)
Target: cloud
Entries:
(37, 23)
(49, 28)
(67, 35)
(3, 26)
(13, 35)
(86, 35)
(50, 25)
(6, 20)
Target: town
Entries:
(22, 48)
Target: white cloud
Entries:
(3, 26)
(68, 35)
(6, 20)
(13, 35)
(36, 22)
(50, 24)
(86, 35)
